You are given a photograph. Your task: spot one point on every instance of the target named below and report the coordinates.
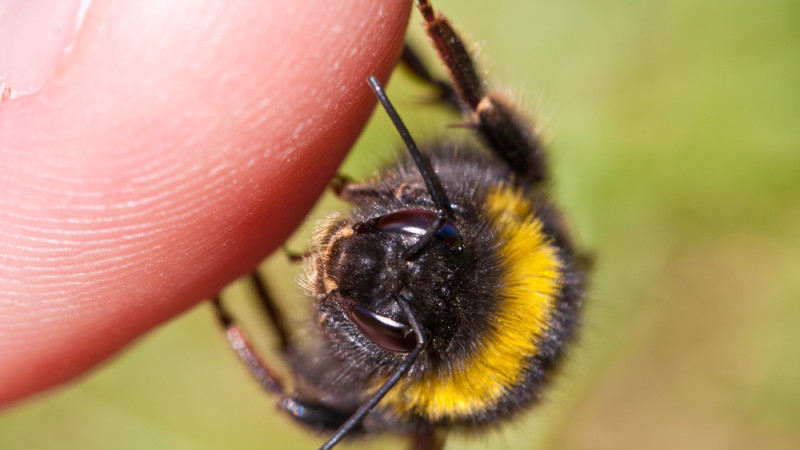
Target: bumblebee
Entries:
(446, 297)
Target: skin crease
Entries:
(173, 149)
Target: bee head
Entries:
(368, 267)
(373, 273)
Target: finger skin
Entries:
(176, 146)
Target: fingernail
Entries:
(35, 35)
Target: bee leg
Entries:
(352, 191)
(267, 377)
(430, 439)
(501, 127)
(273, 313)
(317, 416)
(294, 256)
(340, 184)
(413, 63)
(314, 415)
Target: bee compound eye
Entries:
(417, 222)
(381, 330)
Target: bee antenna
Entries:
(428, 175)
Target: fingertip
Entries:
(171, 153)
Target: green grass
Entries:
(676, 150)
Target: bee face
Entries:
(365, 269)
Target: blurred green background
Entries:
(675, 129)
